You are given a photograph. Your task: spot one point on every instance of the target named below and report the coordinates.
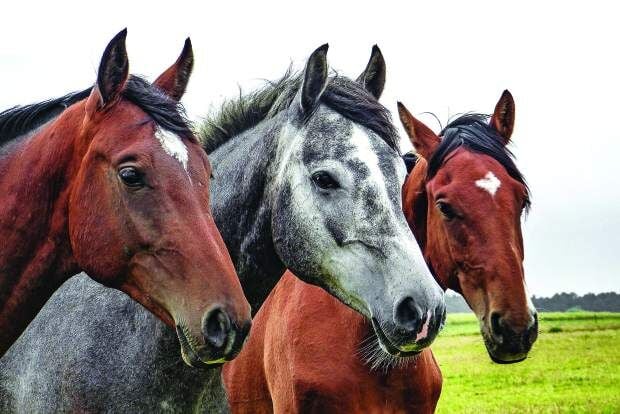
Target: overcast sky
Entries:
(560, 63)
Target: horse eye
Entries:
(446, 210)
(131, 177)
(324, 181)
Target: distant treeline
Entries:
(560, 302)
(601, 302)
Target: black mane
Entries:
(347, 97)
(165, 112)
(473, 132)
(20, 120)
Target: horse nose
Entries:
(416, 324)
(531, 333)
(507, 336)
(240, 337)
(216, 329)
(407, 315)
(497, 328)
(224, 336)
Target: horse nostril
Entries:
(216, 328)
(240, 337)
(531, 333)
(244, 331)
(496, 327)
(406, 315)
(441, 310)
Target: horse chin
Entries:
(386, 345)
(500, 357)
(507, 360)
(189, 353)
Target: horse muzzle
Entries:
(221, 339)
(505, 344)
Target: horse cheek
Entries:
(94, 232)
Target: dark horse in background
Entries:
(116, 185)
(307, 176)
(464, 206)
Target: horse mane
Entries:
(19, 120)
(343, 95)
(165, 111)
(472, 131)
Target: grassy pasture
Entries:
(573, 368)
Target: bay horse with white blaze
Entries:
(117, 185)
(307, 176)
(464, 206)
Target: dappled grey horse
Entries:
(307, 176)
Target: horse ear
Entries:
(424, 140)
(503, 119)
(315, 79)
(113, 70)
(174, 80)
(373, 77)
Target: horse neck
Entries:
(36, 255)
(242, 208)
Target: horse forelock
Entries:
(473, 132)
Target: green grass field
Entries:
(573, 368)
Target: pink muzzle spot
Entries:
(424, 331)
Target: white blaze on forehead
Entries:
(368, 156)
(490, 183)
(173, 145)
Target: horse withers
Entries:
(308, 353)
(116, 185)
